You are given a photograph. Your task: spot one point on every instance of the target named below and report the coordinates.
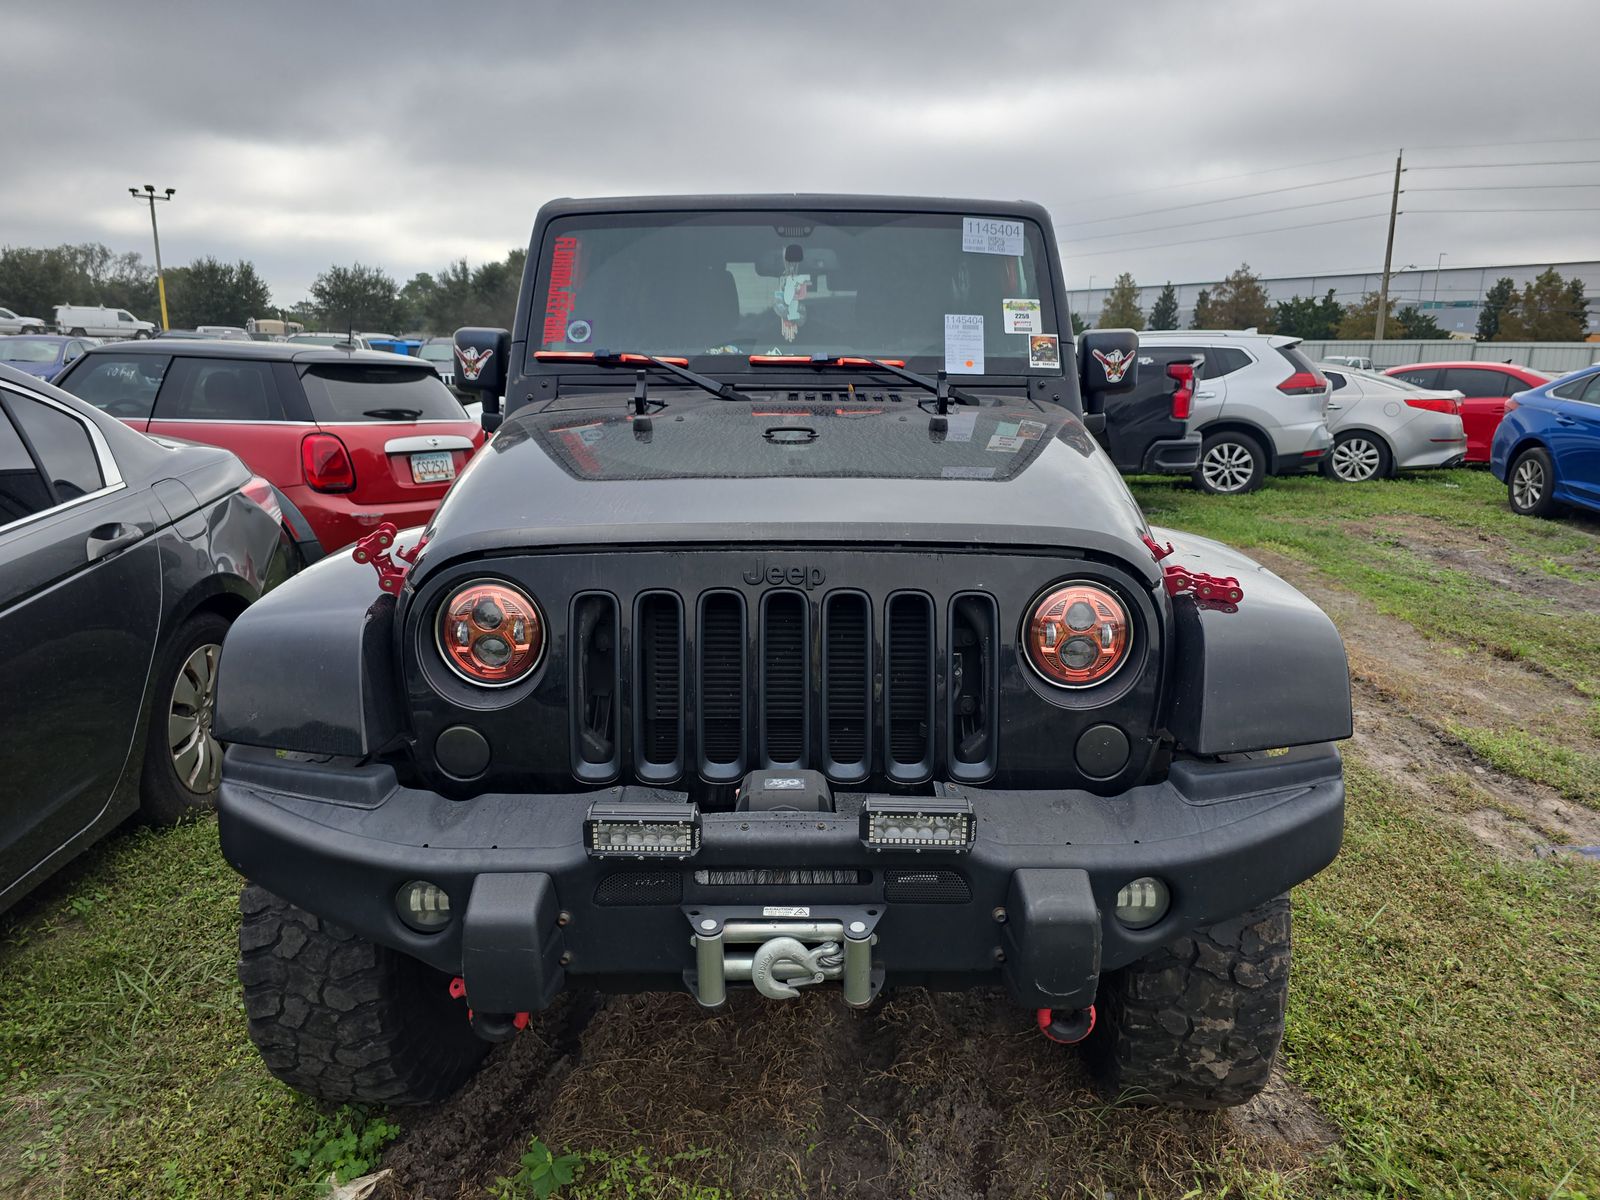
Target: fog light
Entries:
(424, 906)
(645, 829)
(924, 824)
(1143, 902)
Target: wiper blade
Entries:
(939, 387)
(677, 367)
(393, 414)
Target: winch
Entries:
(791, 948)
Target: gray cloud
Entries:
(408, 134)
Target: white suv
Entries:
(1260, 407)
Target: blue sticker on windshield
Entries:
(579, 331)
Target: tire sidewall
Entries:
(1545, 505)
(1258, 461)
(1385, 466)
(163, 799)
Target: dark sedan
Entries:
(123, 560)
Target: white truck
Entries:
(98, 321)
(11, 322)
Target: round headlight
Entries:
(1143, 902)
(490, 633)
(1078, 634)
(424, 906)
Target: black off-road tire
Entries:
(340, 1018)
(1196, 1024)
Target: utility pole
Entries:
(1439, 263)
(1388, 250)
(149, 194)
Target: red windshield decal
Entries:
(563, 273)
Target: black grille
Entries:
(925, 887)
(639, 887)
(908, 683)
(722, 677)
(783, 876)
(659, 684)
(783, 679)
(847, 684)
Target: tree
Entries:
(1495, 302)
(1360, 320)
(1301, 316)
(356, 297)
(1164, 312)
(210, 292)
(1121, 309)
(1418, 325)
(1240, 302)
(1202, 311)
(1545, 311)
(1079, 325)
(33, 281)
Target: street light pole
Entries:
(149, 194)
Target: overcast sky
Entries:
(406, 135)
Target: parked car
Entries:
(1381, 425)
(43, 356)
(440, 354)
(1359, 361)
(1547, 449)
(11, 322)
(339, 341)
(231, 333)
(123, 561)
(189, 335)
(1259, 406)
(79, 319)
(351, 438)
(1484, 387)
(1148, 429)
(740, 667)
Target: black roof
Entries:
(260, 352)
(789, 201)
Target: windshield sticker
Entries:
(1030, 429)
(787, 303)
(729, 348)
(963, 343)
(967, 473)
(563, 273)
(1116, 364)
(985, 235)
(1044, 350)
(1021, 315)
(579, 331)
(959, 426)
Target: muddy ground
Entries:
(957, 1096)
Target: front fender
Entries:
(310, 666)
(1271, 674)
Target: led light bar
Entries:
(642, 829)
(926, 823)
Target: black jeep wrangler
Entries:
(791, 631)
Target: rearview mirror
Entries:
(481, 366)
(1108, 361)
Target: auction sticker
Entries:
(989, 235)
(1044, 350)
(1020, 315)
(963, 343)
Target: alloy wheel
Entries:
(1356, 460)
(1527, 482)
(1227, 466)
(196, 754)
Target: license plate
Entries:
(433, 466)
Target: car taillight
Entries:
(490, 633)
(264, 496)
(1183, 397)
(1078, 634)
(1511, 404)
(1435, 404)
(326, 463)
(1303, 383)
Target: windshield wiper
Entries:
(393, 414)
(676, 367)
(940, 387)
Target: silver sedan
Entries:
(1381, 425)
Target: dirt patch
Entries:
(1489, 558)
(1284, 1113)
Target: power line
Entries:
(1169, 187)
(1549, 162)
(1294, 187)
(1262, 212)
(1503, 187)
(1591, 208)
(1523, 142)
(1222, 237)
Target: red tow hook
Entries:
(458, 991)
(1073, 1027)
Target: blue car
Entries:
(41, 355)
(1547, 450)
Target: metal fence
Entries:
(1555, 358)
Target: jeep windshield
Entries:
(970, 294)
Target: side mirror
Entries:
(482, 366)
(1108, 362)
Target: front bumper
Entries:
(1031, 905)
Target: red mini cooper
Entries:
(350, 438)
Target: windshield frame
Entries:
(1041, 245)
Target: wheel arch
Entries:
(1388, 443)
(1255, 432)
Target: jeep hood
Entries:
(720, 473)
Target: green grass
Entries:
(1352, 536)
(1573, 773)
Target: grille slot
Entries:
(783, 680)
(596, 688)
(783, 876)
(908, 687)
(974, 687)
(925, 887)
(722, 686)
(847, 685)
(658, 688)
(639, 887)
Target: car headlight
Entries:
(1078, 634)
(490, 633)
